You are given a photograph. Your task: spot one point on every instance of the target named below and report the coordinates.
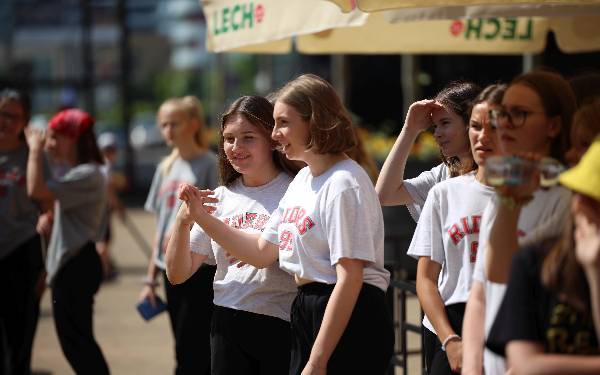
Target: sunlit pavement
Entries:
(131, 345)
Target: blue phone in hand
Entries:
(147, 311)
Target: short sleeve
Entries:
(418, 188)
(78, 186)
(517, 316)
(427, 240)
(349, 231)
(200, 241)
(151, 204)
(271, 231)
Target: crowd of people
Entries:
(271, 251)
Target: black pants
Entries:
(245, 343)
(367, 344)
(436, 359)
(73, 290)
(19, 307)
(190, 309)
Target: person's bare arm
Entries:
(473, 334)
(180, 261)
(528, 358)
(390, 184)
(337, 313)
(502, 244)
(36, 185)
(428, 272)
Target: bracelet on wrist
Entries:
(148, 281)
(453, 337)
(513, 203)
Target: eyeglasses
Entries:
(510, 118)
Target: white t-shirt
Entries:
(324, 218)
(542, 218)
(419, 187)
(267, 291)
(448, 233)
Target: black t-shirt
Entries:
(530, 312)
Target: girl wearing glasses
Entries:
(535, 120)
(549, 319)
(449, 114)
(445, 243)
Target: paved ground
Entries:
(131, 345)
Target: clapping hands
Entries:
(196, 203)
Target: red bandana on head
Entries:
(71, 122)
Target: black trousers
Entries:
(436, 359)
(245, 343)
(367, 344)
(190, 307)
(73, 291)
(19, 308)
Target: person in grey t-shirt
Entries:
(448, 113)
(190, 306)
(21, 263)
(250, 325)
(73, 265)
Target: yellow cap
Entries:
(584, 178)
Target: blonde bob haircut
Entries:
(192, 108)
(317, 103)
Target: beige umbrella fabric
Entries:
(232, 24)
(494, 35)
(379, 5)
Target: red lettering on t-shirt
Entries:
(473, 252)
(455, 234)
(285, 240)
(249, 220)
(476, 220)
(262, 220)
(465, 225)
(306, 224)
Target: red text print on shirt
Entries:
(467, 225)
(302, 222)
(247, 220)
(11, 178)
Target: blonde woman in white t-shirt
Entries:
(250, 331)
(448, 113)
(446, 243)
(327, 232)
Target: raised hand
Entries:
(587, 242)
(419, 113)
(197, 201)
(35, 138)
